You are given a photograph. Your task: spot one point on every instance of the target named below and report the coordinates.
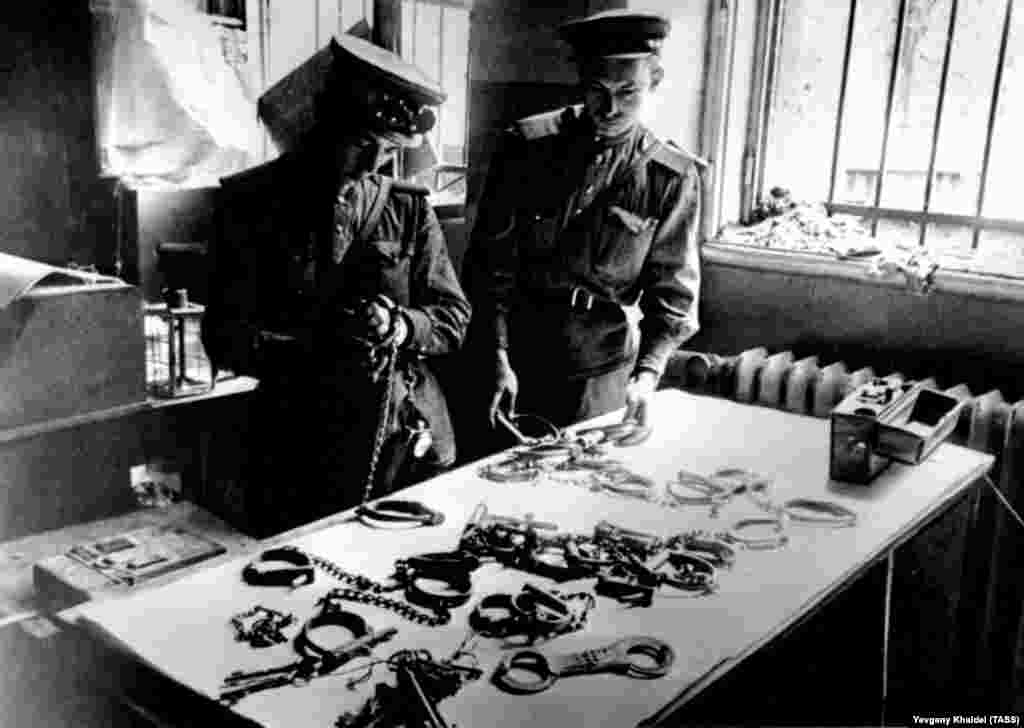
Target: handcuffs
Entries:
(809, 510)
(775, 539)
(314, 659)
(395, 513)
(560, 449)
(693, 489)
(630, 656)
(283, 566)
(452, 569)
(533, 613)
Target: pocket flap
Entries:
(633, 222)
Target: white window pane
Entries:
(864, 121)
(802, 117)
(456, 65)
(1002, 191)
(899, 232)
(1000, 253)
(968, 98)
(951, 243)
(915, 102)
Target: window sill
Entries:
(961, 283)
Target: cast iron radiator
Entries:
(990, 618)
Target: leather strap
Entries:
(377, 209)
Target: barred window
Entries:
(435, 36)
(905, 114)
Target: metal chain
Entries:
(357, 581)
(406, 611)
(382, 418)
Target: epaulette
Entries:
(676, 158)
(546, 124)
(401, 185)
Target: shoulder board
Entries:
(676, 158)
(549, 123)
(399, 185)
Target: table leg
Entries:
(890, 560)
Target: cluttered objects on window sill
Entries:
(783, 224)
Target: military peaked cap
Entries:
(367, 86)
(616, 34)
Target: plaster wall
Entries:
(954, 337)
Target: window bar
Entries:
(415, 30)
(440, 79)
(841, 110)
(936, 128)
(893, 73)
(776, 15)
(993, 109)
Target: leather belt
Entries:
(575, 299)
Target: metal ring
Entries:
(829, 513)
(778, 540)
(524, 661)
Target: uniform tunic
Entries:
(293, 257)
(616, 221)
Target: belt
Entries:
(575, 299)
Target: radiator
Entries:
(992, 624)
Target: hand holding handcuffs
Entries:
(630, 656)
(563, 450)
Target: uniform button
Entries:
(589, 189)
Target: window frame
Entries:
(770, 15)
(454, 209)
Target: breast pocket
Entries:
(622, 244)
(383, 267)
(539, 234)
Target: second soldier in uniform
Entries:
(583, 266)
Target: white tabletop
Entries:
(765, 592)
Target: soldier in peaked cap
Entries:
(332, 285)
(583, 264)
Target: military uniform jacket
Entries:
(617, 219)
(292, 254)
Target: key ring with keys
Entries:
(643, 658)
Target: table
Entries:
(766, 593)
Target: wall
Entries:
(952, 336)
(47, 140)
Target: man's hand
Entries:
(506, 385)
(638, 396)
(377, 318)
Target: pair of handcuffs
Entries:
(420, 574)
(533, 614)
(314, 658)
(693, 489)
(393, 513)
(529, 671)
(559, 448)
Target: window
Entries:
(435, 36)
(905, 114)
